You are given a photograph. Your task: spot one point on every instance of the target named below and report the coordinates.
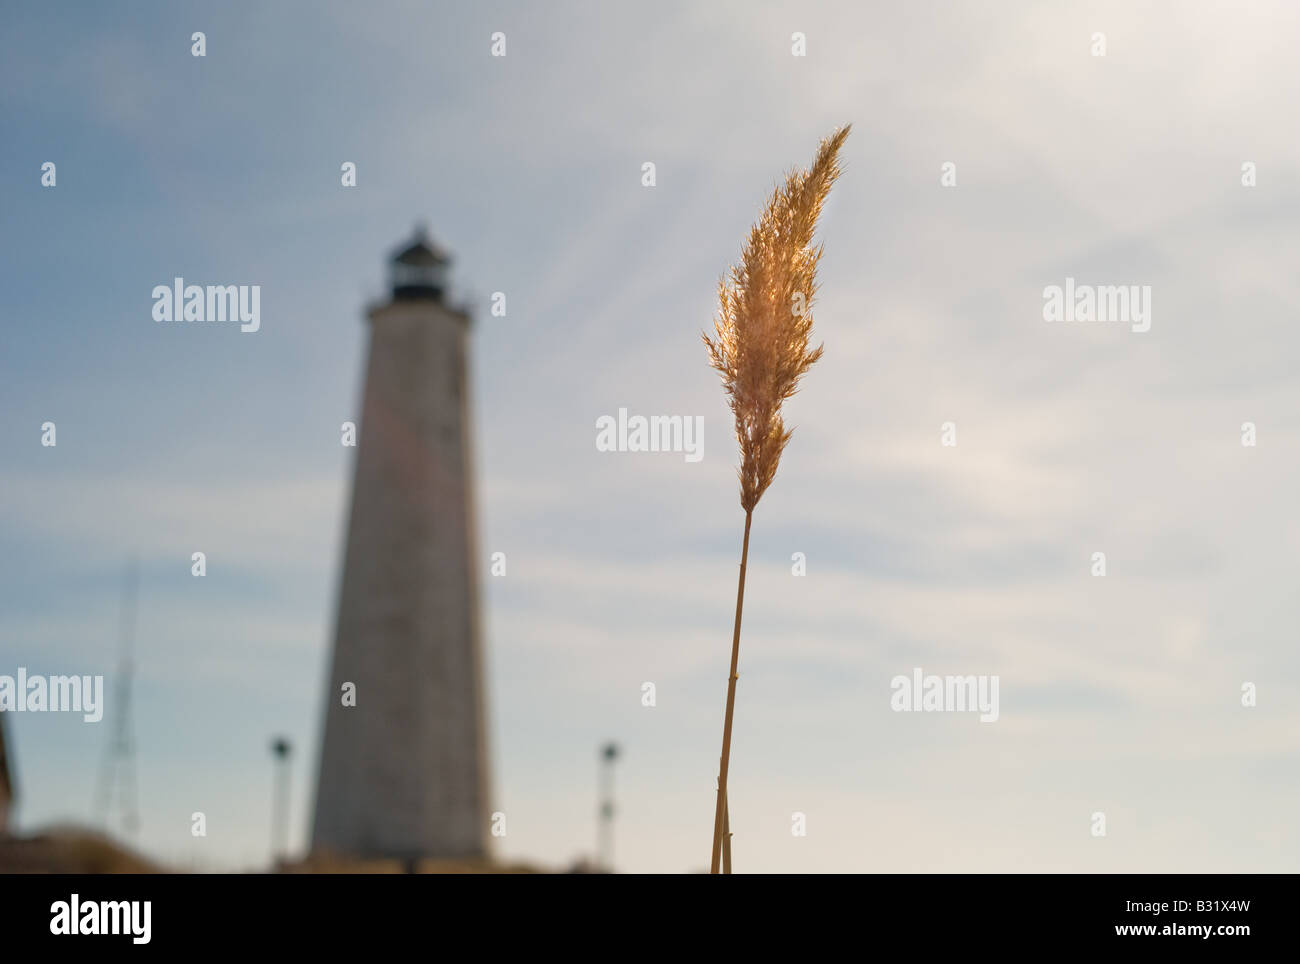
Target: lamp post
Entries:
(281, 748)
(605, 824)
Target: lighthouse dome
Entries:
(419, 270)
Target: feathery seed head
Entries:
(760, 343)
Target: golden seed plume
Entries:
(764, 321)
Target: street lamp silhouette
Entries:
(281, 748)
(605, 824)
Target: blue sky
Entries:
(1118, 694)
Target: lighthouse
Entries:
(403, 766)
(6, 782)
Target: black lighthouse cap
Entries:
(419, 270)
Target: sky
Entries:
(1120, 694)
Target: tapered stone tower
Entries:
(403, 772)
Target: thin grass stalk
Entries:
(731, 703)
(726, 837)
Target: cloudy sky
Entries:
(1119, 694)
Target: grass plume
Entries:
(760, 343)
(760, 348)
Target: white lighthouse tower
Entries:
(403, 772)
